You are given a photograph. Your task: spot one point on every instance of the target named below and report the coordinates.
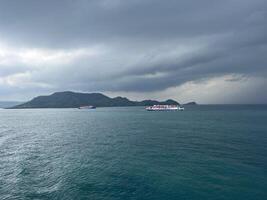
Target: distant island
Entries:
(70, 99)
(192, 103)
(7, 104)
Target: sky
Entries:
(208, 51)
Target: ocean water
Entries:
(204, 152)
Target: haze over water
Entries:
(205, 152)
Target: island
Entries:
(192, 103)
(7, 104)
(69, 99)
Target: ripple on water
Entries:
(127, 153)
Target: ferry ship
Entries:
(164, 108)
(87, 107)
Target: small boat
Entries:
(87, 107)
(164, 108)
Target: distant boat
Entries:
(87, 107)
(164, 108)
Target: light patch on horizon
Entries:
(215, 90)
(227, 89)
(40, 57)
(22, 81)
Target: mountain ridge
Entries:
(69, 99)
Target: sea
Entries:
(209, 152)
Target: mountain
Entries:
(74, 100)
(190, 103)
(7, 104)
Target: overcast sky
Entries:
(209, 51)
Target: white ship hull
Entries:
(164, 108)
(87, 107)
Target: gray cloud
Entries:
(141, 46)
(63, 23)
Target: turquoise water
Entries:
(205, 152)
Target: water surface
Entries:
(205, 152)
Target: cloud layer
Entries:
(158, 49)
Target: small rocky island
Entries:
(192, 103)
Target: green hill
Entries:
(73, 100)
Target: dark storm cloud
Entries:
(68, 22)
(151, 45)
